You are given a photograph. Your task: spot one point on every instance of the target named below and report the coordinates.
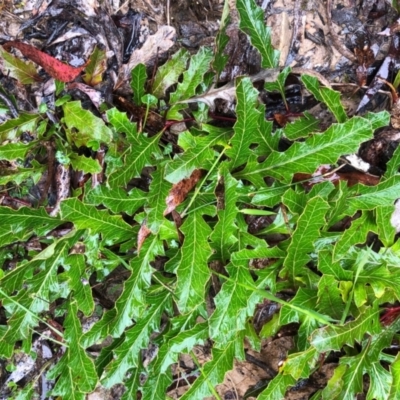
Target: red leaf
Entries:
(55, 68)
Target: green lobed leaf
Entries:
(386, 232)
(330, 97)
(370, 197)
(24, 221)
(193, 272)
(156, 200)
(115, 199)
(168, 74)
(85, 216)
(213, 372)
(141, 152)
(84, 128)
(306, 232)
(305, 157)
(231, 307)
(13, 151)
(199, 153)
(193, 76)
(301, 127)
(279, 84)
(252, 23)
(246, 123)
(85, 164)
(138, 82)
(330, 299)
(357, 233)
(224, 235)
(277, 387)
(127, 355)
(334, 337)
(221, 40)
(79, 283)
(13, 128)
(395, 371)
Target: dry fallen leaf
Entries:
(55, 68)
(143, 233)
(180, 190)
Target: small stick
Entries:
(9, 104)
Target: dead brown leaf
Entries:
(180, 190)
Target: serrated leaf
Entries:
(192, 272)
(277, 387)
(79, 283)
(120, 121)
(85, 164)
(18, 176)
(330, 301)
(334, 337)
(302, 127)
(193, 76)
(24, 72)
(96, 67)
(306, 232)
(305, 157)
(252, 23)
(132, 301)
(156, 200)
(24, 221)
(84, 128)
(198, 153)
(393, 165)
(231, 304)
(395, 371)
(137, 157)
(213, 372)
(300, 365)
(138, 81)
(116, 199)
(84, 216)
(246, 124)
(13, 151)
(12, 128)
(221, 40)
(370, 197)
(168, 74)
(126, 356)
(279, 84)
(224, 235)
(330, 97)
(386, 232)
(357, 233)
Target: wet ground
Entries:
(348, 42)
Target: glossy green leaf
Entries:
(193, 76)
(138, 82)
(12, 128)
(84, 216)
(306, 232)
(246, 124)
(212, 373)
(252, 23)
(301, 127)
(13, 151)
(334, 337)
(192, 271)
(84, 128)
(305, 157)
(168, 74)
(84, 164)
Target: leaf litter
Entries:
(171, 222)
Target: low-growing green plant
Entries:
(338, 283)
